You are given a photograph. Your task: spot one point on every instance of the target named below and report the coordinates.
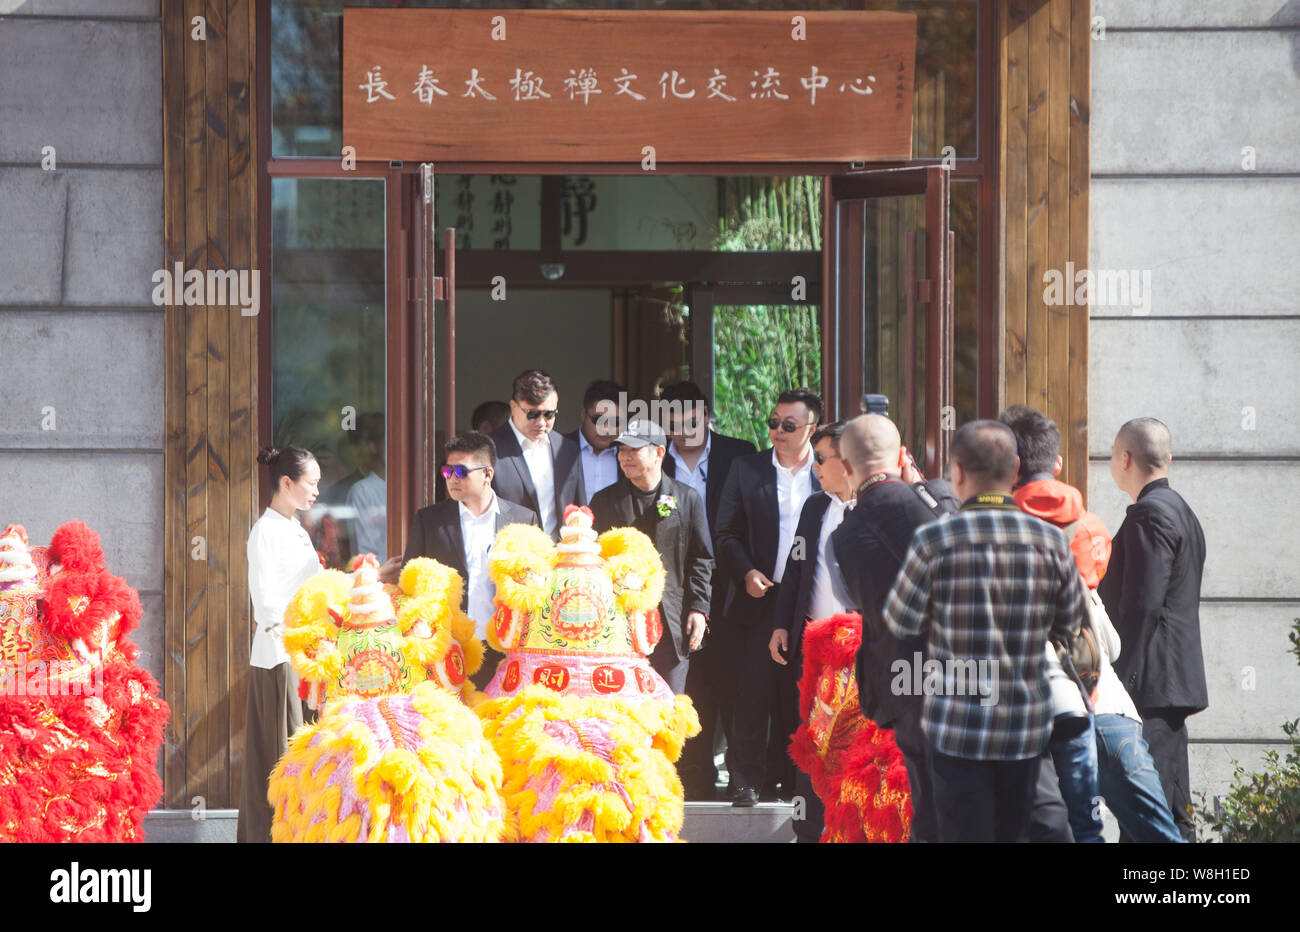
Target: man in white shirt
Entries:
(459, 532)
(603, 415)
(757, 518)
(368, 497)
(537, 467)
(806, 594)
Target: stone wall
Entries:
(1179, 89)
(80, 339)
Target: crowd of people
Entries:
(1092, 644)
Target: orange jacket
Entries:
(1053, 500)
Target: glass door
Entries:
(433, 332)
(329, 366)
(889, 299)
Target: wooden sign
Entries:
(627, 87)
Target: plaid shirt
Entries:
(988, 585)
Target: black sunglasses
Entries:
(822, 460)
(538, 412)
(460, 471)
(788, 425)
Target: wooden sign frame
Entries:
(631, 87)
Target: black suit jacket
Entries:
(588, 494)
(745, 536)
(682, 544)
(870, 546)
(794, 598)
(435, 533)
(723, 450)
(1152, 593)
(513, 482)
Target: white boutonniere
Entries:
(666, 505)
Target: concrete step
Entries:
(766, 823)
(705, 822)
(190, 826)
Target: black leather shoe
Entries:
(744, 797)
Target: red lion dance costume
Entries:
(856, 768)
(80, 723)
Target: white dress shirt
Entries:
(280, 559)
(697, 478)
(537, 456)
(823, 602)
(368, 497)
(599, 470)
(477, 534)
(793, 486)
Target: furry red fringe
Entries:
(83, 767)
(862, 780)
(76, 547)
(69, 776)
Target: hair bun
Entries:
(268, 455)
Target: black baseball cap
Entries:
(642, 432)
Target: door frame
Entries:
(404, 494)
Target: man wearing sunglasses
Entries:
(757, 519)
(537, 467)
(459, 532)
(601, 418)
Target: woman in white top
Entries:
(280, 559)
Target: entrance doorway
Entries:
(642, 280)
(392, 323)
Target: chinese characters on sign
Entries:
(526, 85)
(560, 85)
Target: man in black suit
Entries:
(700, 457)
(870, 546)
(672, 516)
(459, 531)
(537, 467)
(600, 421)
(1152, 592)
(807, 594)
(757, 519)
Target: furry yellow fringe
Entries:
(648, 739)
(426, 578)
(627, 551)
(418, 789)
(522, 559)
(309, 629)
(429, 592)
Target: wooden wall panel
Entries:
(1044, 63)
(210, 222)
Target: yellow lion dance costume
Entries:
(395, 754)
(587, 731)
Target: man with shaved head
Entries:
(869, 546)
(1152, 592)
(986, 587)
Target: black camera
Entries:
(875, 404)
